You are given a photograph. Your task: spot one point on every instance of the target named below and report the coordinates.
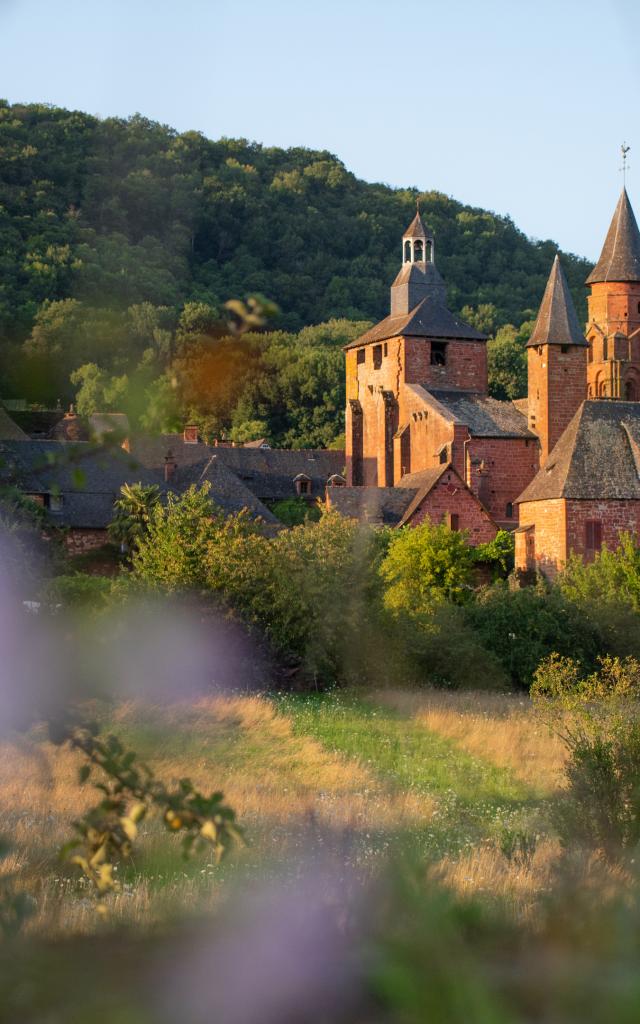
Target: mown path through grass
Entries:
(475, 798)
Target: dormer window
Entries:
(302, 484)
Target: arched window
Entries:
(630, 391)
(407, 251)
(429, 251)
(418, 251)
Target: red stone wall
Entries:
(557, 385)
(615, 516)
(466, 365)
(614, 307)
(79, 541)
(550, 550)
(450, 496)
(560, 528)
(498, 470)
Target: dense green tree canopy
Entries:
(119, 239)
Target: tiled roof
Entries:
(9, 429)
(484, 416)
(89, 478)
(557, 322)
(417, 229)
(597, 457)
(267, 472)
(428, 320)
(620, 256)
(381, 506)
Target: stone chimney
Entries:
(170, 466)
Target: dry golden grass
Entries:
(497, 727)
(486, 871)
(279, 784)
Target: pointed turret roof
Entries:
(557, 322)
(620, 256)
(416, 228)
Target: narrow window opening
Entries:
(361, 355)
(429, 251)
(444, 456)
(418, 251)
(593, 535)
(453, 520)
(407, 252)
(564, 349)
(630, 391)
(438, 353)
(509, 510)
(377, 357)
(385, 348)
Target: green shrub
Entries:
(439, 648)
(295, 511)
(79, 590)
(425, 565)
(521, 627)
(598, 718)
(171, 553)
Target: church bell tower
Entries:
(613, 328)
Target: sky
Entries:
(516, 106)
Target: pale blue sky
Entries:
(519, 106)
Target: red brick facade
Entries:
(557, 384)
(452, 503)
(551, 530)
(613, 333)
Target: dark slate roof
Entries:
(417, 229)
(382, 506)
(620, 256)
(268, 472)
(429, 319)
(226, 489)
(38, 423)
(88, 479)
(484, 416)
(557, 322)
(9, 429)
(597, 457)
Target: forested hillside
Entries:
(110, 228)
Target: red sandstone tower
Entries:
(557, 363)
(613, 328)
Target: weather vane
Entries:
(624, 149)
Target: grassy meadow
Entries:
(441, 775)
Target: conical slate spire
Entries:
(620, 256)
(557, 322)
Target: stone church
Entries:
(561, 467)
